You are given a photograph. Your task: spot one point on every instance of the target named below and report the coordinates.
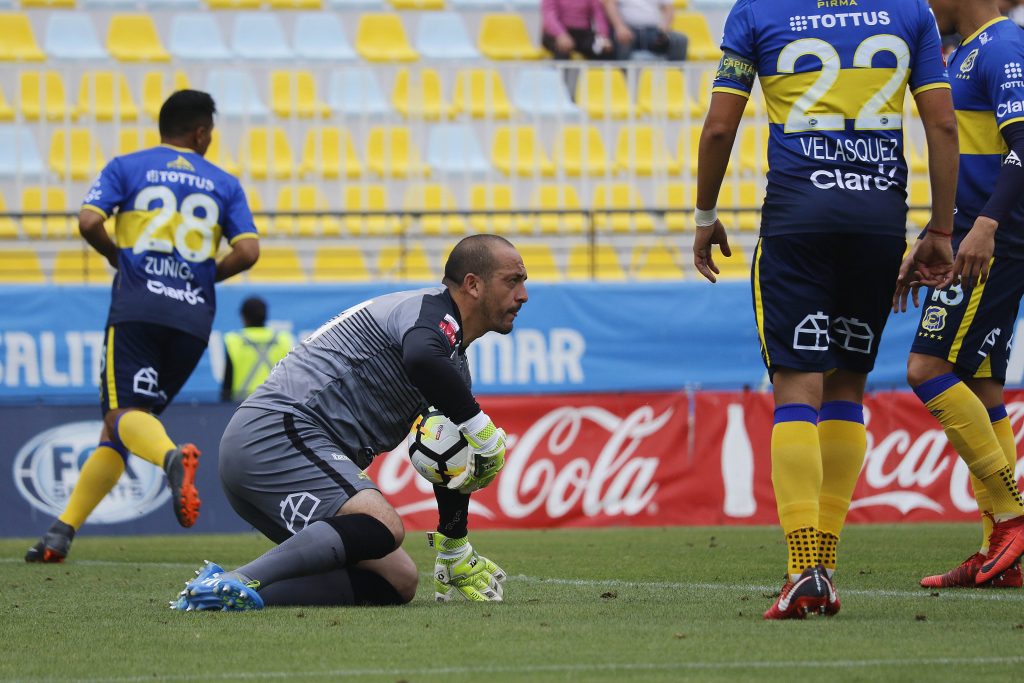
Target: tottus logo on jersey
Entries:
(810, 22)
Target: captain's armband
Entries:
(738, 69)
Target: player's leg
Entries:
(459, 571)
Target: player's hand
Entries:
(907, 283)
(486, 454)
(975, 253)
(933, 261)
(702, 241)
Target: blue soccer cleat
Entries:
(215, 589)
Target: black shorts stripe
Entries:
(307, 452)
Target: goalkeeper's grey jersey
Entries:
(348, 376)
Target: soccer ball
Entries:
(437, 448)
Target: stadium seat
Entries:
(735, 267)
(293, 93)
(356, 5)
(197, 36)
(19, 154)
(318, 36)
(47, 4)
(917, 158)
(306, 197)
(702, 46)
(558, 198)
(678, 200)
(515, 150)
(442, 35)
(20, 266)
(410, 263)
(71, 35)
(277, 264)
(920, 200)
(355, 91)
(264, 223)
(594, 262)
(746, 195)
(481, 94)
(494, 197)
(259, 36)
(340, 264)
(294, 4)
(328, 152)
(8, 228)
(418, 4)
(6, 110)
(390, 152)
(17, 41)
(35, 199)
(688, 145)
(541, 91)
(620, 196)
(602, 93)
(579, 150)
(505, 36)
(174, 5)
(133, 139)
(217, 154)
(97, 98)
(753, 149)
(235, 93)
(658, 261)
(380, 37)
(234, 4)
(642, 150)
(81, 265)
(75, 153)
(266, 153)
(433, 197)
(155, 90)
(540, 262)
(369, 198)
(419, 96)
(133, 38)
(662, 92)
(453, 148)
(476, 5)
(41, 93)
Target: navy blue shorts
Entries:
(145, 365)
(972, 327)
(821, 300)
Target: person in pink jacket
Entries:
(576, 25)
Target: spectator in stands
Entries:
(252, 351)
(1014, 9)
(576, 26)
(645, 25)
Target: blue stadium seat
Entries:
(542, 91)
(319, 36)
(453, 148)
(180, 5)
(196, 35)
(235, 93)
(357, 5)
(19, 154)
(442, 35)
(71, 35)
(491, 5)
(258, 35)
(355, 91)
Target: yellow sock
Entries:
(144, 435)
(796, 478)
(985, 510)
(844, 442)
(98, 476)
(803, 551)
(828, 544)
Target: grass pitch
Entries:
(597, 605)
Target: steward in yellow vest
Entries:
(252, 351)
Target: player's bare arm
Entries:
(934, 255)
(243, 256)
(90, 226)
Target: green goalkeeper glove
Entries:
(460, 572)
(486, 454)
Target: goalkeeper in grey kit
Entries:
(293, 456)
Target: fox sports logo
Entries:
(47, 468)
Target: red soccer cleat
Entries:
(965, 574)
(809, 594)
(180, 465)
(1005, 546)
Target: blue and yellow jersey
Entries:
(987, 74)
(834, 75)
(172, 208)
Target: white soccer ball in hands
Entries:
(437, 449)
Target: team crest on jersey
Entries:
(181, 164)
(450, 329)
(934, 319)
(968, 64)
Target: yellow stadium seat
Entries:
(395, 262)
(294, 4)
(434, 197)
(678, 196)
(579, 150)
(920, 200)
(516, 150)
(255, 200)
(35, 199)
(736, 267)
(265, 153)
(96, 97)
(51, 4)
(133, 139)
(81, 265)
(391, 152)
(369, 198)
(328, 152)
(680, 4)
(745, 194)
(917, 159)
(133, 38)
(382, 38)
(6, 110)
(304, 198)
(20, 266)
(419, 96)
(754, 150)
(217, 154)
(688, 145)
(558, 198)
(41, 93)
(340, 264)
(417, 4)
(505, 36)
(597, 262)
(663, 93)
(234, 4)
(8, 228)
(80, 158)
(621, 196)
(659, 261)
(293, 93)
(642, 150)
(602, 93)
(155, 90)
(540, 262)
(277, 264)
(702, 46)
(481, 94)
(488, 197)
(17, 41)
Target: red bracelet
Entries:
(947, 235)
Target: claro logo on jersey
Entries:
(47, 468)
(807, 22)
(834, 178)
(1006, 108)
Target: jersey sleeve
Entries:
(107, 191)
(737, 70)
(928, 71)
(238, 222)
(1002, 67)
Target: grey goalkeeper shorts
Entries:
(281, 472)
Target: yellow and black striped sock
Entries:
(843, 442)
(144, 435)
(98, 476)
(796, 478)
(803, 551)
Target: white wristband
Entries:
(475, 424)
(705, 218)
